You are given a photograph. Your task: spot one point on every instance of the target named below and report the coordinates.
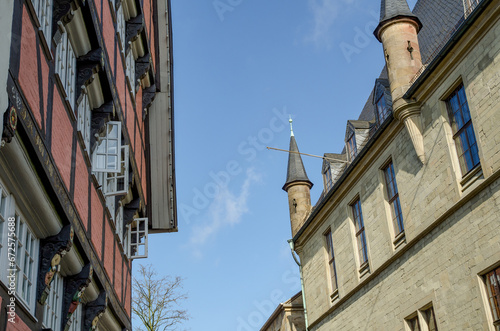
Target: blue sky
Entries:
(240, 68)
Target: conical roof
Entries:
(296, 171)
(394, 9)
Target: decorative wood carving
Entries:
(9, 124)
(73, 291)
(148, 95)
(134, 28)
(52, 250)
(100, 116)
(60, 9)
(142, 65)
(94, 310)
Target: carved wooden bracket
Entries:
(142, 65)
(134, 28)
(129, 211)
(94, 310)
(86, 66)
(148, 95)
(9, 124)
(61, 8)
(73, 291)
(52, 250)
(410, 114)
(100, 116)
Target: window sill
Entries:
(471, 177)
(335, 295)
(364, 269)
(399, 240)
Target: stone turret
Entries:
(298, 186)
(397, 31)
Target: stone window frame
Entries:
(331, 265)
(356, 216)
(464, 126)
(393, 201)
(492, 301)
(420, 320)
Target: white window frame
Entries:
(43, 11)
(84, 120)
(138, 249)
(112, 181)
(52, 310)
(130, 72)
(26, 247)
(4, 207)
(108, 149)
(76, 319)
(120, 27)
(111, 205)
(65, 67)
(119, 222)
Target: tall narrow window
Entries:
(65, 67)
(106, 157)
(414, 324)
(382, 110)
(493, 289)
(3, 218)
(463, 130)
(138, 238)
(53, 307)
(328, 179)
(130, 61)
(117, 183)
(120, 27)
(26, 261)
(393, 196)
(43, 11)
(76, 319)
(351, 146)
(430, 319)
(360, 231)
(331, 261)
(84, 120)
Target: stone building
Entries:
(288, 316)
(86, 159)
(406, 234)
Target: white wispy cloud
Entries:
(324, 14)
(226, 209)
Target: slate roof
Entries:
(296, 171)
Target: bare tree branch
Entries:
(156, 301)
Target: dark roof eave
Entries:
(342, 178)
(447, 47)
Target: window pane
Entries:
(430, 319)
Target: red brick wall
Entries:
(109, 244)
(19, 325)
(96, 215)
(28, 75)
(62, 136)
(82, 188)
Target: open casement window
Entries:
(119, 223)
(111, 205)
(130, 62)
(120, 27)
(84, 120)
(43, 11)
(106, 157)
(116, 183)
(138, 238)
(65, 66)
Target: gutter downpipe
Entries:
(292, 248)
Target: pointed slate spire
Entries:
(391, 10)
(296, 171)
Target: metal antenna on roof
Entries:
(291, 127)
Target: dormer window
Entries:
(351, 147)
(382, 109)
(328, 179)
